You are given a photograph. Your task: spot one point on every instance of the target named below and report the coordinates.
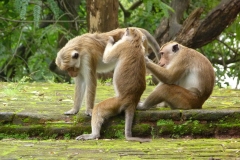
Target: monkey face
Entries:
(73, 72)
(68, 60)
(168, 52)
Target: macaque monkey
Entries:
(128, 79)
(186, 78)
(82, 56)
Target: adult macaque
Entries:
(128, 79)
(81, 57)
(186, 78)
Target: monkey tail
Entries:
(152, 42)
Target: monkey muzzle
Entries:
(72, 71)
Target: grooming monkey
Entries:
(81, 57)
(186, 78)
(128, 79)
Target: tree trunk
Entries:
(194, 32)
(102, 15)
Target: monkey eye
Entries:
(75, 56)
(161, 53)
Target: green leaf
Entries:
(17, 5)
(36, 14)
(148, 5)
(54, 7)
(23, 12)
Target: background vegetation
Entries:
(32, 31)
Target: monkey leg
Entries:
(129, 115)
(152, 100)
(80, 87)
(176, 96)
(102, 111)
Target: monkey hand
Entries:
(110, 40)
(147, 60)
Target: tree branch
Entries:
(135, 5)
(231, 49)
(195, 33)
(127, 13)
(215, 23)
(169, 27)
(220, 61)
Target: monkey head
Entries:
(68, 59)
(136, 36)
(168, 52)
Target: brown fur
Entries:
(186, 78)
(129, 83)
(90, 48)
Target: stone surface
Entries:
(36, 109)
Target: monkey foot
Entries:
(140, 106)
(86, 137)
(88, 112)
(71, 112)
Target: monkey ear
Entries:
(175, 48)
(75, 55)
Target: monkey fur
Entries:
(186, 78)
(82, 56)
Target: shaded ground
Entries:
(34, 112)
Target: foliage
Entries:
(29, 39)
(224, 54)
(147, 15)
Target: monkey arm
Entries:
(168, 76)
(79, 94)
(157, 71)
(112, 51)
(108, 49)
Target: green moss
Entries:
(15, 136)
(143, 129)
(163, 122)
(120, 149)
(113, 131)
(119, 134)
(228, 125)
(26, 120)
